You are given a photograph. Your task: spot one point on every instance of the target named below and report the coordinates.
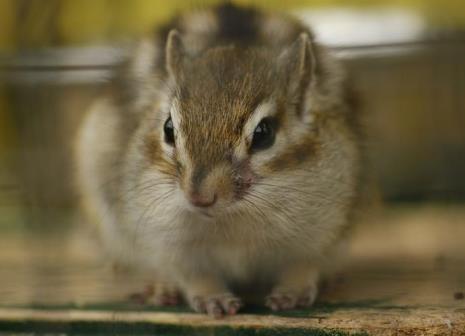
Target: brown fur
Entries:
(217, 74)
(297, 154)
(155, 156)
(220, 98)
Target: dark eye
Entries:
(169, 131)
(264, 135)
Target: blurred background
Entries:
(406, 58)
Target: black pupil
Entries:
(169, 131)
(264, 135)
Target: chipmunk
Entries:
(226, 157)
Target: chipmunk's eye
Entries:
(169, 131)
(264, 135)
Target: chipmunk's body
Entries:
(226, 156)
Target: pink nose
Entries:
(202, 201)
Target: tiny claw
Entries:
(216, 306)
(234, 308)
(271, 302)
(214, 309)
(198, 304)
(287, 302)
(283, 300)
(280, 302)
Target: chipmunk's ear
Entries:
(297, 64)
(175, 54)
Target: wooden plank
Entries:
(371, 321)
(406, 276)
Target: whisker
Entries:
(312, 196)
(148, 212)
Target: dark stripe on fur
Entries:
(237, 24)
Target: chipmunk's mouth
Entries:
(205, 213)
(201, 212)
(215, 212)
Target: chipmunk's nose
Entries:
(202, 201)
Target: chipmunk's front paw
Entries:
(285, 299)
(166, 295)
(160, 294)
(216, 305)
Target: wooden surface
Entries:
(405, 276)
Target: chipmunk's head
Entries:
(234, 116)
